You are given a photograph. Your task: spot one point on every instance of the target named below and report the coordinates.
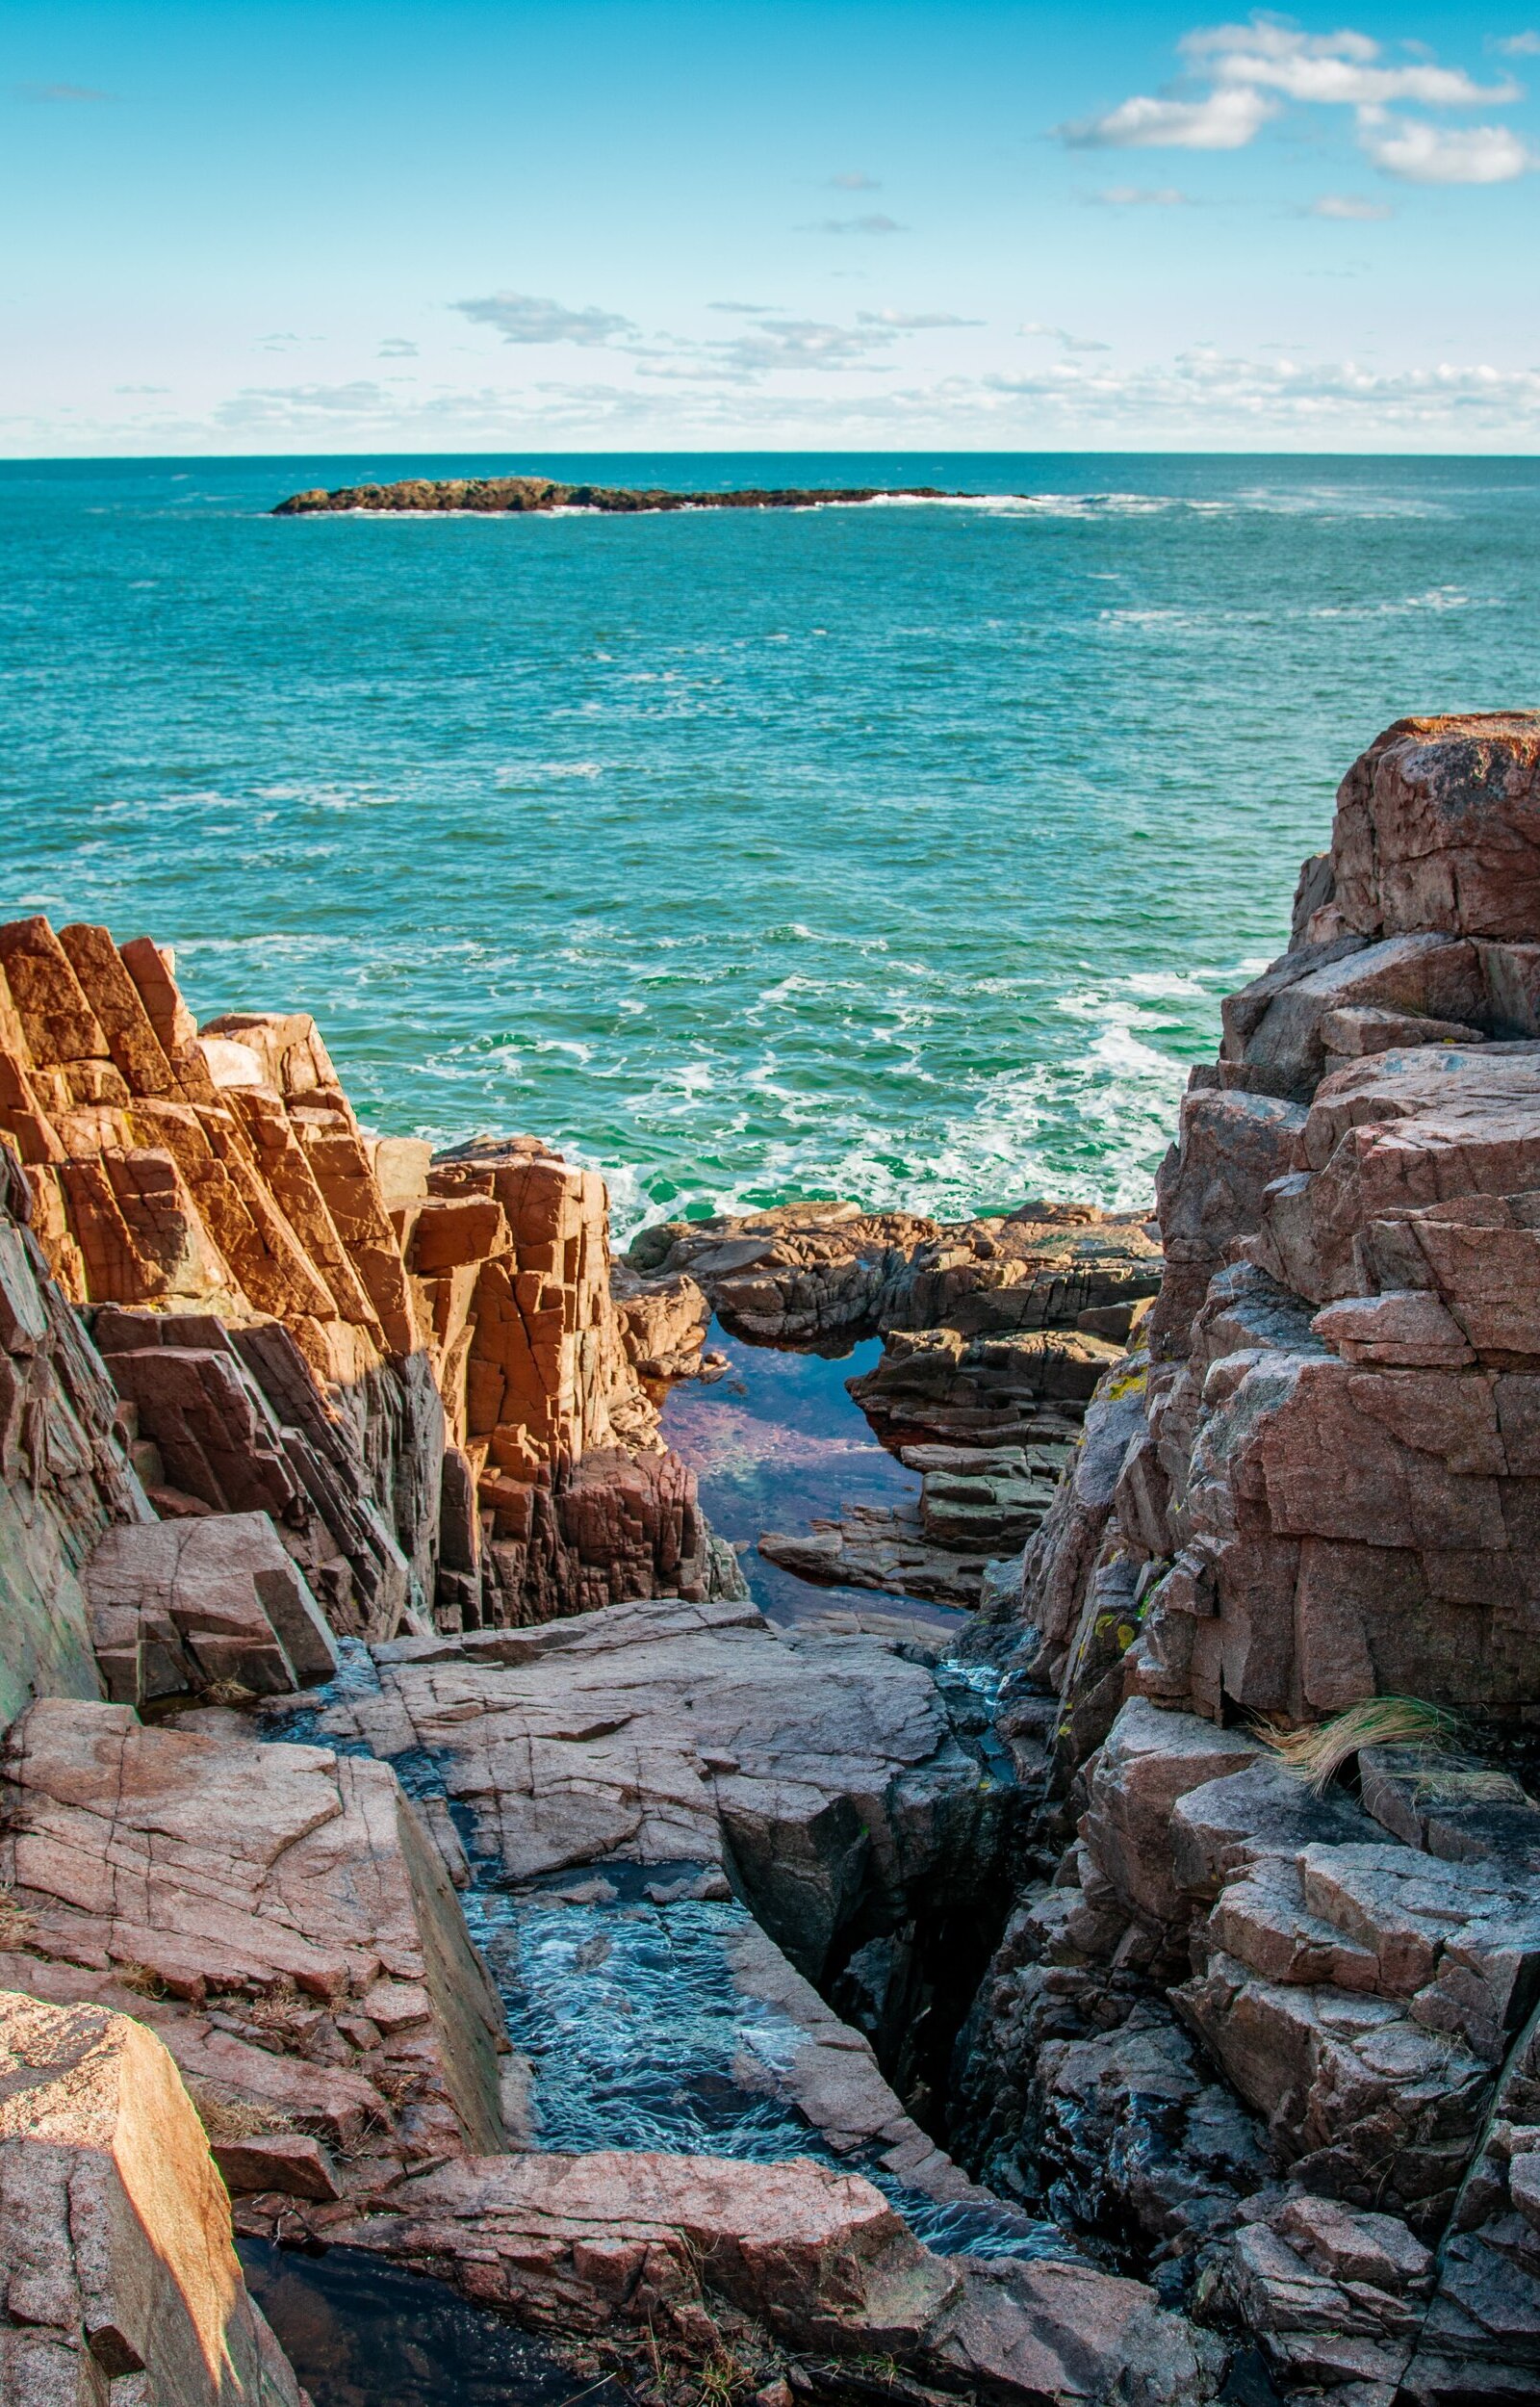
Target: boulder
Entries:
(179, 1606)
(1438, 828)
(117, 2271)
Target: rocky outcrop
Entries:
(995, 1331)
(816, 1273)
(1255, 2037)
(119, 2279)
(415, 1366)
(65, 1478)
(514, 496)
(278, 1915)
(281, 1919)
(827, 1775)
(695, 2248)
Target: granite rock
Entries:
(119, 2279)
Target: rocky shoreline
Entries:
(415, 1843)
(496, 497)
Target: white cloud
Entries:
(64, 95)
(1200, 399)
(397, 347)
(522, 317)
(1519, 46)
(1432, 154)
(297, 404)
(1137, 196)
(1339, 70)
(1222, 120)
(1254, 69)
(912, 322)
(1349, 209)
(1066, 342)
(873, 223)
(855, 181)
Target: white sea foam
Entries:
(522, 774)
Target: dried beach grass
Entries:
(15, 1922)
(225, 2115)
(1318, 1754)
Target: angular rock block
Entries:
(179, 1606)
(820, 1768)
(983, 1391)
(1438, 827)
(118, 2278)
(601, 2242)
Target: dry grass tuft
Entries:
(1318, 1753)
(225, 2115)
(142, 1979)
(227, 1692)
(725, 2379)
(15, 1922)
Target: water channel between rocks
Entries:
(775, 1442)
(618, 1978)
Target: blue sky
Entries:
(627, 224)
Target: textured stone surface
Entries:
(119, 2280)
(362, 1305)
(277, 1913)
(187, 1605)
(1438, 827)
(604, 2242)
(65, 1477)
(825, 1770)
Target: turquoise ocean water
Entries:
(901, 852)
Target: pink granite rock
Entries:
(119, 2280)
(1438, 827)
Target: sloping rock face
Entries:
(415, 1367)
(1312, 1487)
(825, 1775)
(119, 2280)
(278, 1915)
(65, 1478)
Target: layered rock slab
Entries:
(822, 1770)
(277, 1914)
(819, 2258)
(119, 2279)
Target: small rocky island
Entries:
(418, 1852)
(501, 497)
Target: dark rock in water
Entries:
(359, 2330)
(499, 497)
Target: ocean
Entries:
(901, 852)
